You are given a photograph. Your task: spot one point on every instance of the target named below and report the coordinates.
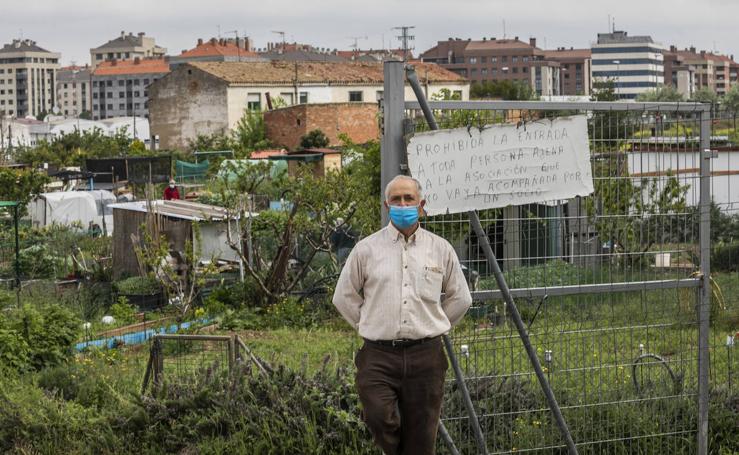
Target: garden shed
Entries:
(70, 207)
(176, 223)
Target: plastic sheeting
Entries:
(73, 207)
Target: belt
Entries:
(401, 343)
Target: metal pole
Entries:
(17, 259)
(704, 292)
(479, 437)
(447, 439)
(500, 279)
(393, 105)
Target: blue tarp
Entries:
(135, 337)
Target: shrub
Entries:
(725, 257)
(138, 285)
(37, 338)
(314, 139)
(123, 312)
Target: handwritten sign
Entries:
(471, 169)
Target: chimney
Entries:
(692, 49)
(247, 44)
(113, 62)
(516, 38)
(200, 41)
(532, 42)
(213, 41)
(703, 54)
(136, 60)
(141, 34)
(673, 49)
(123, 33)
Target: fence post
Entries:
(704, 292)
(393, 106)
(231, 354)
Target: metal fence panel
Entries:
(608, 284)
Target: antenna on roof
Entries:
(238, 48)
(405, 38)
(504, 29)
(355, 46)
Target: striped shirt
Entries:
(390, 288)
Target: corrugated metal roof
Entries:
(183, 210)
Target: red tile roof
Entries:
(213, 47)
(135, 66)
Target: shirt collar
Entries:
(396, 235)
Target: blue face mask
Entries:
(404, 216)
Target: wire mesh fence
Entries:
(607, 284)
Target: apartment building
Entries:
(574, 70)
(126, 47)
(634, 63)
(498, 59)
(699, 69)
(27, 79)
(121, 88)
(73, 94)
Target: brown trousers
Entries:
(401, 390)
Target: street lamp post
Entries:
(618, 78)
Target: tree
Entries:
(21, 185)
(665, 93)
(608, 129)
(503, 89)
(705, 95)
(250, 133)
(314, 139)
(730, 101)
(85, 115)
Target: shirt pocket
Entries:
(429, 288)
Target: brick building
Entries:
(286, 126)
(689, 70)
(498, 59)
(121, 88)
(574, 70)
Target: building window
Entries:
(524, 59)
(137, 93)
(483, 59)
(65, 86)
(287, 97)
(108, 83)
(121, 95)
(94, 83)
(121, 83)
(515, 69)
(493, 59)
(503, 59)
(473, 60)
(121, 106)
(146, 81)
(253, 101)
(95, 96)
(110, 107)
(303, 98)
(136, 81)
(525, 69)
(355, 96)
(457, 94)
(484, 72)
(137, 106)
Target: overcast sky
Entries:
(72, 27)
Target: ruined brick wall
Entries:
(287, 125)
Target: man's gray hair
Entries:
(403, 177)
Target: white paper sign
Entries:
(467, 169)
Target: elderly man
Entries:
(390, 291)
